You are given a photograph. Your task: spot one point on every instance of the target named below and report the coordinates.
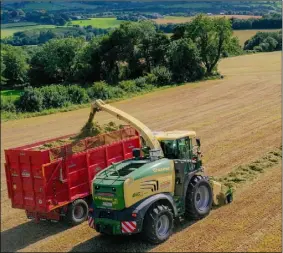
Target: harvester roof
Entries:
(173, 135)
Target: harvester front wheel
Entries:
(198, 198)
(158, 224)
(77, 212)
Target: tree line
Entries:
(131, 51)
(273, 21)
(138, 16)
(267, 22)
(40, 17)
(42, 35)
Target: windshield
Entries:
(176, 149)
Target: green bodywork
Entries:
(113, 225)
(108, 185)
(111, 180)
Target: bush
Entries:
(54, 96)
(129, 86)
(116, 92)
(77, 95)
(8, 104)
(250, 51)
(163, 75)
(225, 54)
(151, 78)
(140, 82)
(264, 46)
(31, 100)
(258, 49)
(268, 41)
(99, 90)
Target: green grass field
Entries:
(19, 24)
(6, 32)
(10, 93)
(99, 22)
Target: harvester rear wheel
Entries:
(198, 198)
(158, 224)
(77, 212)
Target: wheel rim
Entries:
(79, 212)
(163, 225)
(202, 198)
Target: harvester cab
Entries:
(147, 193)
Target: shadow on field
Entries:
(133, 243)
(105, 243)
(28, 233)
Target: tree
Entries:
(272, 44)
(152, 45)
(119, 46)
(54, 62)
(145, 38)
(184, 61)
(211, 35)
(3, 67)
(87, 66)
(233, 48)
(16, 67)
(179, 31)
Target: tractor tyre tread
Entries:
(191, 211)
(70, 218)
(150, 223)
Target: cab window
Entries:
(184, 148)
(169, 148)
(176, 149)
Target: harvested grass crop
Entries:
(90, 129)
(248, 172)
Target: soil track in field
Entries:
(238, 120)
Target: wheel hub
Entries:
(163, 225)
(79, 212)
(202, 198)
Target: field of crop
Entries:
(10, 30)
(178, 20)
(238, 119)
(99, 22)
(244, 35)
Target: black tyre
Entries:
(198, 198)
(158, 224)
(77, 212)
(229, 198)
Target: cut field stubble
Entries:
(238, 120)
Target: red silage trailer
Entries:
(55, 183)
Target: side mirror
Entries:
(198, 141)
(136, 153)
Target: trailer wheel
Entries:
(198, 198)
(77, 212)
(158, 224)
